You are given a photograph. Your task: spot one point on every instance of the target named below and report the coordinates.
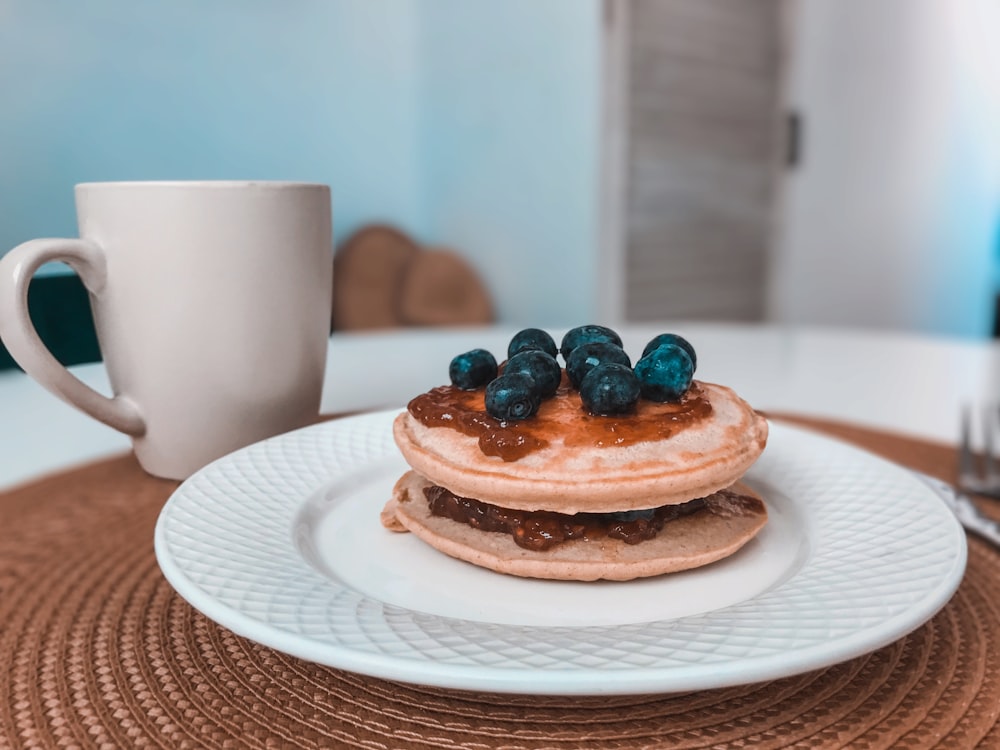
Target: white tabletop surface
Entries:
(906, 383)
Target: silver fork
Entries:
(965, 510)
(979, 476)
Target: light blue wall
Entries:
(510, 147)
(470, 123)
(114, 89)
(961, 256)
(957, 257)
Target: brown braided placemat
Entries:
(97, 650)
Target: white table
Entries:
(910, 384)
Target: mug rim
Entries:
(212, 184)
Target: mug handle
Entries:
(19, 335)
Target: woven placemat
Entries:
(96, 649)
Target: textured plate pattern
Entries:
(884, 554)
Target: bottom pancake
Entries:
(687, 542)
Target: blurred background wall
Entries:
(115, 90)
(473, 125)
(510, 148)
(892, 217)
(477, 124)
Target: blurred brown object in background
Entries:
(367, 273)
(440, 288)
(383, 279)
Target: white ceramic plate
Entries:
(281, 543)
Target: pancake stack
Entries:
(572, 495)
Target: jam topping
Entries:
(542, 530)
(560, 417)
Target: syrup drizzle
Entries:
(561, 416)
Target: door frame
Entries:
(613, 195)
(614, 159)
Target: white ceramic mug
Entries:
(212, 307)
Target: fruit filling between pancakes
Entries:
(542, 530)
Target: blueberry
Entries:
(672, 338)
(532, 338)
(587, 335)
(511, 397)
(610, 388)
(542, 368)
(586, 357)
(472, 370)
(665, 373)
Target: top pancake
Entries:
(570, 475)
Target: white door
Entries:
(892, 220)
(694, 121)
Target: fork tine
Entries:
(989, 463)
(966, 462)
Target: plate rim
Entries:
(552, 681)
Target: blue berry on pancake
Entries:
(542, 368)
(586, 357)
(512, 397)
(609, 389)
(672, 338)
(472, 369)
(532, 338)
(588, 334)
(665, 373)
